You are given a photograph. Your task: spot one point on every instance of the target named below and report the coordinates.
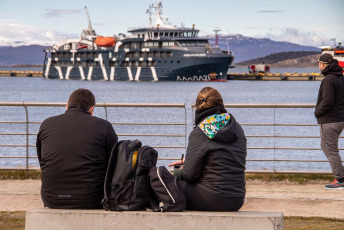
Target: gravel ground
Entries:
(308, 200)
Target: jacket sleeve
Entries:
(327, 98)
(111, 140)
(194, 158)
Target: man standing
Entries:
(329, 112)
(73, 151)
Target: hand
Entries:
(175, 163)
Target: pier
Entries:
(8, 73)
(230, 76)
(276, 76)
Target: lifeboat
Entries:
(82, 46)
(105, 41)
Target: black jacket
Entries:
(330, 103)
(73, 151)
(217, 164)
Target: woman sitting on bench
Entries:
(213, 172)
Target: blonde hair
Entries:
(208, 97)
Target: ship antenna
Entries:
(150, 15)
(89, 20)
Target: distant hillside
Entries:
(32, 54)
(247, 48)
(286, 59)
(301, 62)
(244, 48)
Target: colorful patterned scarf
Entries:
(212, 124)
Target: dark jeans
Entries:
(200, 200)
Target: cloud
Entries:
(307, 38)
(59, 12)
(13, 34)
(271, 11)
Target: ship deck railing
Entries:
(172, 123)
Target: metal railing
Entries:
(275, 136)
(106, 106)
(27, 122)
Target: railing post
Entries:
(105, 108)
(186, 130)
(274, 142)
(27, 141)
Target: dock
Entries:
(230, 76)
(8, 73)
(276, 76)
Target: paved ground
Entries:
(291, 199)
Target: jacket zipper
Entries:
(162, 182)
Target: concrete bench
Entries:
(62, 219)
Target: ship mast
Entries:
(158, 15)
(89, 19)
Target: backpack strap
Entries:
(109, 174)
(153, 201)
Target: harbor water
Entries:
(13, 89)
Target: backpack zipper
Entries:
(162, 182)
(175, 185)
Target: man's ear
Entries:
(91, 110)
(66, 107)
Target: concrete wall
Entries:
(61, 219)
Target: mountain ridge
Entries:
(243, 47)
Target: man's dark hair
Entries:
(81, 98)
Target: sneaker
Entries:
(335, 185)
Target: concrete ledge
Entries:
(62, 219)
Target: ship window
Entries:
(171, 34)
(180, 34)
(165, 44)
(185, 34)
(143, 35)
(190, 34)
(155, 35)
(171, 44)
(156, 44)
(161, 34)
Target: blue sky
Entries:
(305, 22)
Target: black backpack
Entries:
(126, 180)
(166, 193)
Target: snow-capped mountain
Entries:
(244, 48)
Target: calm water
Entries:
(45, 90)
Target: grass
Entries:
(12, 220)
(311, 223)
(16, 221)
(294, 178)
(19, 175)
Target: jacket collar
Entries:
(75, 108)
(201, 114)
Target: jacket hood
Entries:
(220, 127)
(333, 68)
